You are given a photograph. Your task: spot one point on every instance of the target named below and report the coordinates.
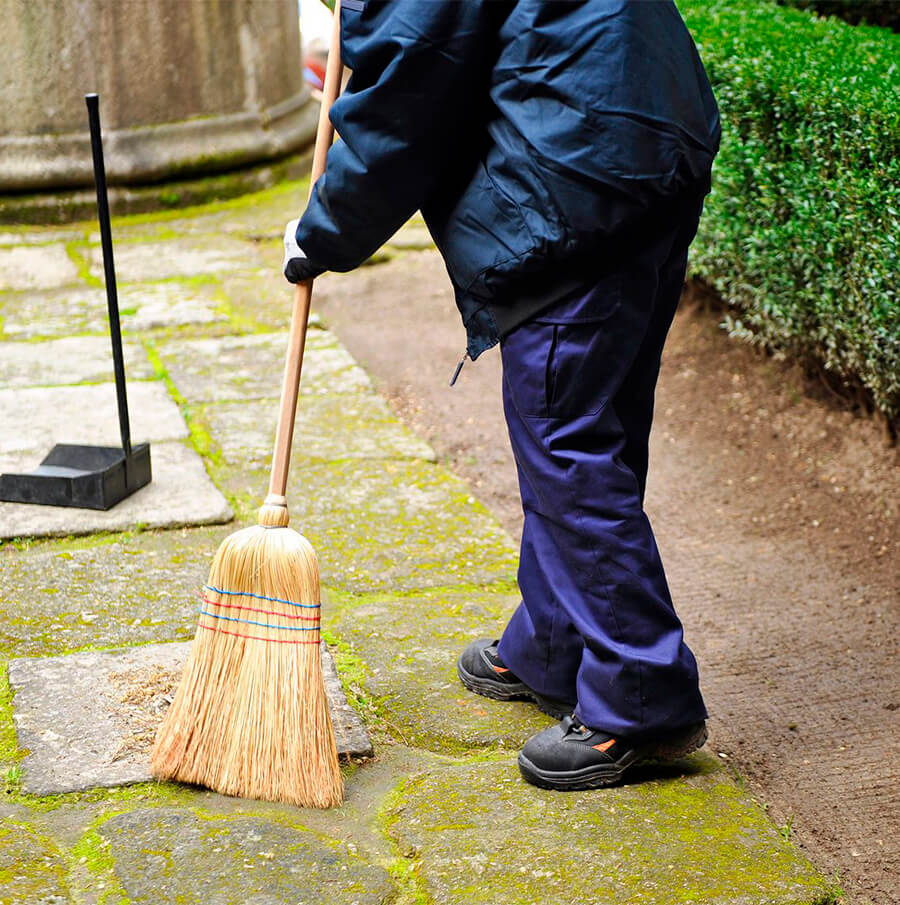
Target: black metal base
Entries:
(85, 477)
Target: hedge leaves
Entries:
(801, 234)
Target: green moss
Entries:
(683, 836)
(406, 875)
(64, 545)
(76, 253)
(200, 437)
(92, 855)
(404, 868)
(352, 672)
(22, 212)
(283, 189)
(10, 753)
(31, 867)
(198, 433)
(240, 322)
(120, 798)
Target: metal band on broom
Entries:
(250, 717)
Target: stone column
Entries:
(186, 87)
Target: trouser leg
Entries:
(578, 399)
(634, 399)
(542, 635)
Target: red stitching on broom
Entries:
(222, 631)
(251, 609)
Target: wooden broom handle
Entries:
(290, 387)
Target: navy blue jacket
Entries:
(532, 134)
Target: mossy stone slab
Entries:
(251, 366)
(144, 589)
(352, 426)
(164, 856)
(34, 418)
(139, 261)
(31, 868)
(76, 359)
(147, 306)
(483, 835)
(409, 646)
(36, 267)
(389, 524)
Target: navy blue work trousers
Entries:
(596, 623)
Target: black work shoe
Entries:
(481, 670)
(571, 756)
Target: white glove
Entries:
(291, 248)
(297, 267)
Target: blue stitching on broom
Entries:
(309, 606)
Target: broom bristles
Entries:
(250, 717)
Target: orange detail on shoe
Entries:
(499, 668)
(604, 746)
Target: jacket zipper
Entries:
(459, 367)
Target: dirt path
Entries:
(777, 516)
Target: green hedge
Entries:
(874, 12)
(802, 231)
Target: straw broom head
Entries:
(250, 717)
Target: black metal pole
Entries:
(112, 301)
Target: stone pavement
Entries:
(413, 567)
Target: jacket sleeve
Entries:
(420, 79)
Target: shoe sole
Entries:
(601, 776)
(520, 692)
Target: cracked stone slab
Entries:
(32, 419)
(409, 647)
(684, 833)
(354, 426)
(36, 267)
(250, 367)
(65, 312)
(147, 260)
(165, 856)
(88, 719)
(75, 359)
(389, 524)
(180, 493)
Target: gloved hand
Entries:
(297, 267)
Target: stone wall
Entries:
(186, 87)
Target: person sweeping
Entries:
(560, 153)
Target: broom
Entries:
(250, 717)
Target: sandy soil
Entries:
(778, 515)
